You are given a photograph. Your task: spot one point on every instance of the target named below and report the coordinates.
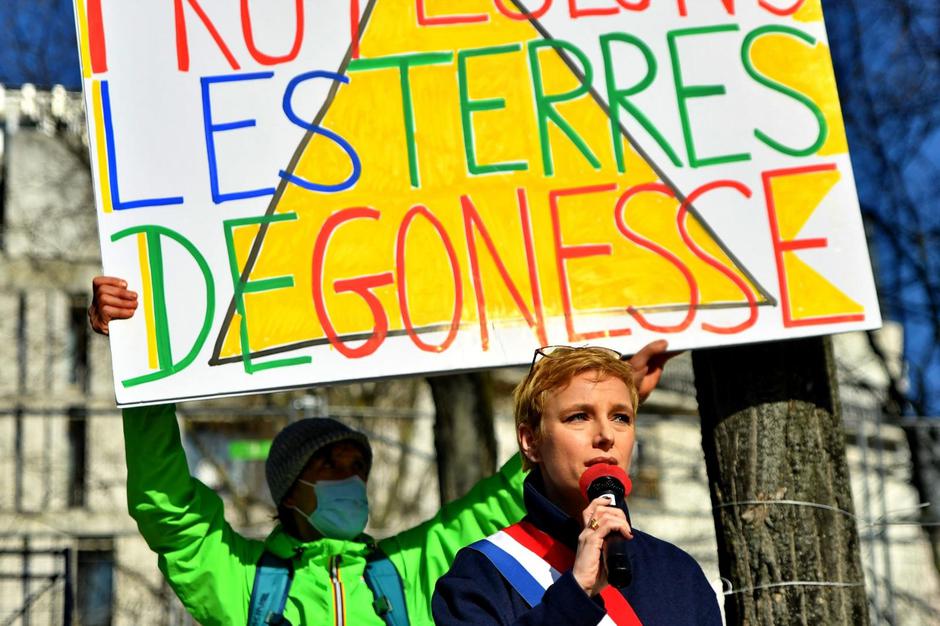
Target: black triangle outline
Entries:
(216, 359)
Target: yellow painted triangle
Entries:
(798, 197)
(810, 11)
(811, 295)
(369, 113)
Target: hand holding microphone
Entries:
(607, 481)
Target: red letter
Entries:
(99, 58)
(790, 245)
(400, 272)
(261, 57)
(563, 252)
(501, 7)
(575, 12)
(471, 222)
(440, 20)
(666, 254)
(361, 285)
(530, 262)
(640, 5)
(782, 12)
(729, 7)
(694, 247)
(354, 29)
(182, 44)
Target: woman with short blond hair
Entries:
(575, 414)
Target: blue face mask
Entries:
(342, 507)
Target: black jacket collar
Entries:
(545, 514)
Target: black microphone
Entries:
(603, 479)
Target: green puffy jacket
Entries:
(211, 567)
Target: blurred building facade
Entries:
(69, 553)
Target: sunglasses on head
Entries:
(546, 352)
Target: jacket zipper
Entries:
(339, 608)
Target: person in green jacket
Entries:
(212, 568)
(316, 471)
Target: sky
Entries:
(37, 43)
(886, 54)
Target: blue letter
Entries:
(342, 143)
(217, 196)
(112, 162)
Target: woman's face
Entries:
(588, 421)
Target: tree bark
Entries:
(464, 436)
(772, 432)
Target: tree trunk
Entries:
(772, 431)
(464, 437)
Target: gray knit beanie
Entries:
(293, 447)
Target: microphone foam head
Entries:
(601, 470)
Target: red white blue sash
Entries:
(531, 560)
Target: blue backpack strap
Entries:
(385, 582)
(273, 578)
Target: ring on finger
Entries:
(593, 523)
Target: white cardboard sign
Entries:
(308, 192)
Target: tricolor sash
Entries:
(531, 560)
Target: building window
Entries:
(225, 456)
(95, 581)
(4, 173)
(22, 349)
(77, 456)
(76, 346)
(18, 463)
(645, 472)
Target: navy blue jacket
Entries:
(668, 586)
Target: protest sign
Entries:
(307, 192)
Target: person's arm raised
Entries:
(424, 553)
(648, 366)
(207, 563)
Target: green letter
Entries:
(617, 98)
(796, 95)
(544, 103)
(243, 285)
(468, 106)
(404, 63)
(161, 328)
(685, 92)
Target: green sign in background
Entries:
(249, 449)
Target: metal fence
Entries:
(71, 555)
(36, 584)
(68, 465)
